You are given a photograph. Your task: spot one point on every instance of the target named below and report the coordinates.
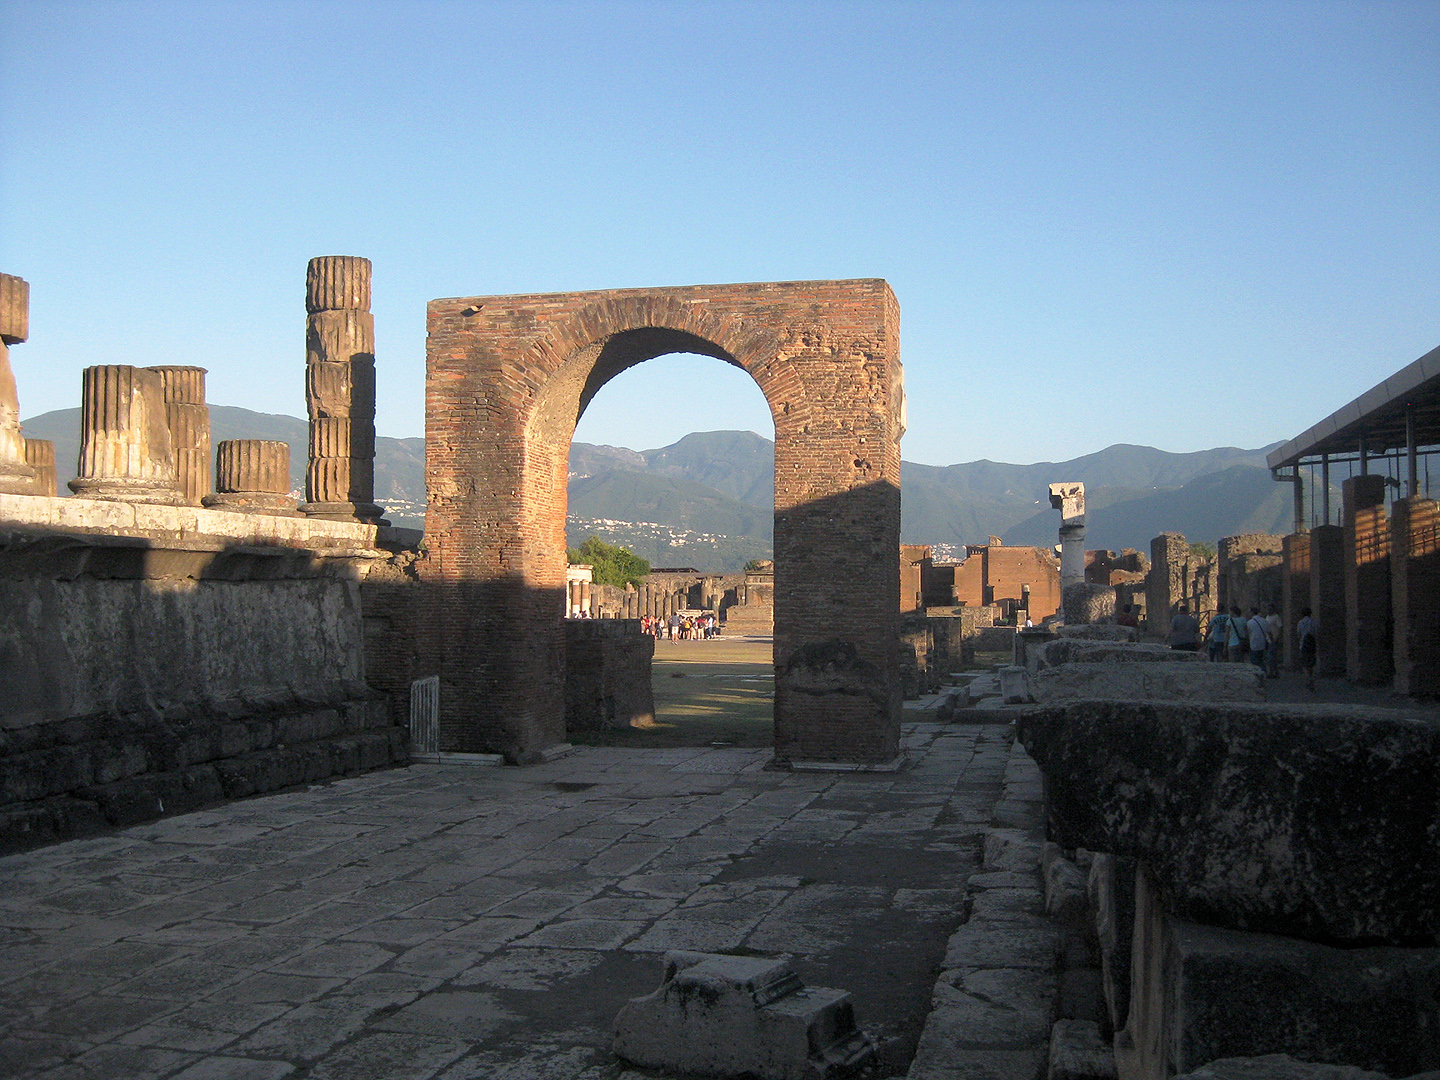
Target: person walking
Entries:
(1274, 630)
(1238, 644)
(1184, 631)
(1255, 628)
(1218, 637)
(1308, 631)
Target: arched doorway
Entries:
(506, 380)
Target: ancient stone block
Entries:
(1315, 821)
(1111, 886)
(718, 1015)
(1203, 992)
(1327, 596)
(1077, 1052)
(1283, 1067)
(1069, 650)
(1086, 603)
(1179, 682)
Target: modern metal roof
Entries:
(1377, 416)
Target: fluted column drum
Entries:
(252, 476)
(16, 477)
(40, 456)
(340, 390)
(125, 452)
(189, 420)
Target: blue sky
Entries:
(1178, 224)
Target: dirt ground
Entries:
(707, 693)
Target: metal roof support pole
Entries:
(1325, 486)
(1364, 459)
(1412, 485)
(1299, 482)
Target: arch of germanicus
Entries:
(507, 377)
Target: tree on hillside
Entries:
(1203, 549)
(610, 563)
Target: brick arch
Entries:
(507, 378)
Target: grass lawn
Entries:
(712, 692)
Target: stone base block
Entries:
(718, 1015)
(128, 491)
(1315, 821)
(1082, 651)
(252, 502)
(1077, 1052)
(1202, 993)
(1185, 682)
(369, 513)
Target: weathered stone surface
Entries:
(1098, 632)
(719, 1015)
(1202, 993)
(1069, 650)
(1316, 821)
(1277, 1067)
(188, 418)
(1077, 1052)
(1112, 900)
(1014, 686)
(40, 456)
(17, 477)
(1178, 682)
(252, 476)
(125, 449)
(1066, 899)
(1088, 603)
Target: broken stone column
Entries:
(1069, 499)
(1327, 596)
(16, 476)
(40, 456)
(1367, 581)
(1415, 594)
(189, 420)
(340, 390)
(125, 452)
(252, 476)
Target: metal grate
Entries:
(425, 716)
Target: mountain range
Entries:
(707, 500)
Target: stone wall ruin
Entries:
(507, 379)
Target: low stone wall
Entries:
(158, 658)
(607, 674)
(67, 778)
(1284, 870)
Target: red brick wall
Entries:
(506, 379)
(1010, 568)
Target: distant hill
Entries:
(708, 500)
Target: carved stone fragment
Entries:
(125, 451)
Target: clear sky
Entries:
(1179, 224)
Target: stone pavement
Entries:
(453, 922)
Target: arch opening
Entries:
(508, 379)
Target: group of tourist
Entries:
(681, 627)
(1231, 637)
